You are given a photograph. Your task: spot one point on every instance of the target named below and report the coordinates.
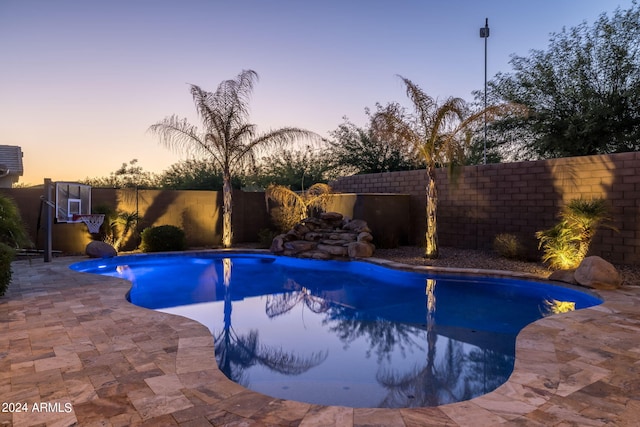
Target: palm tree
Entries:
(567, 243)
(227, 137)
(440, 133)
(297, 206)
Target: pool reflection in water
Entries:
(349, 334)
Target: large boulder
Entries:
(360, 249)
(339, 251)
(566, 276)
(277, 245)
(595, 272)
(97, 249)
(357, 225)
(331, 216)
(300, 246)
(365, 237)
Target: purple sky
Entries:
(81, 81)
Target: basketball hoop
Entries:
(93, 221)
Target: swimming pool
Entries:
(345, 333)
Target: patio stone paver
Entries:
(77, 353)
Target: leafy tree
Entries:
(13, 235)
(227, 138)
(293, 168)
(583, 92)
(359, 151)
(440, 132)
(194, 174)
(12, 230)
(129, 175)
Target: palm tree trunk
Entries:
(227, 231)
(431, 236)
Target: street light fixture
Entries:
(484, 33)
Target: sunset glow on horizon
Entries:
(81, 82)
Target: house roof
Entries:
(11, 160)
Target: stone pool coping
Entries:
(72, 338)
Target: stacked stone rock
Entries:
(330, 236)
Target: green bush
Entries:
(12, 230)
(163, 238)
(13, 235)
(7, 254)
(508, 246)
(265, 237)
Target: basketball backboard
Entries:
(72, 199)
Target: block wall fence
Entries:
(199, 214)
(485, 200)
(520, 198)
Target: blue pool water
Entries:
(344, 333)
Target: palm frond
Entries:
(178, 134)
(390, 124)
(317, 197)
(319, 189)
(283, 195)
(422, 102)
(274, 138)
(200, 98)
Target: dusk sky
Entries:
(81, 81)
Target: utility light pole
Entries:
(484, 33)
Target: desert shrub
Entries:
(163, 238)
(13, 235)
(118, 226)
(566, 244)
(265, 237)
(508, 246)
(12, 230)
(283, 218)
(7, 254)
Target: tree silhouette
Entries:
(280, 304)
(427, 385)
(236, 353)
(227, 138)
(440, 132)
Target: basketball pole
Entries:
(48, 219)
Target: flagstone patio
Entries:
(73, 351)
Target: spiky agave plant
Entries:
(126, 223)
(559, 245)
(584, 217)
(566, 244)
(294, 207)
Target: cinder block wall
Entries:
(199, 213)
(520, 198)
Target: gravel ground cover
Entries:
(469, 258)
